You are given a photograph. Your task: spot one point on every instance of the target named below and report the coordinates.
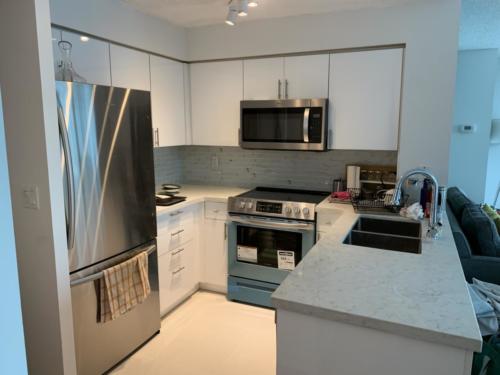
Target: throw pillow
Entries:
(493, 215)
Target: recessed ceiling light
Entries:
(84, 38)
(231, 16)
(253, 3)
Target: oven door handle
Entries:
(304, 227)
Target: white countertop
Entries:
(200, 193)
(422, 296)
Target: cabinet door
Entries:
(306, 76)
(216, 92)
(365, 89)
(129, 68)
(89, 57)
(187, 104)
(167, 101)
(263, 78)
(215, 255)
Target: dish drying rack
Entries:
(368, 201)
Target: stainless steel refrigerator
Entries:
(107, 159)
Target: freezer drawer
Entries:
(100, 346)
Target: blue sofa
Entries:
(476, 238)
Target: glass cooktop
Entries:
(286, 195)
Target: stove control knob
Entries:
(242, 204)
(296, 210)
(249, 205)
(305, 211)
(288, 210)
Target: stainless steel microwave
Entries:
(291, 124)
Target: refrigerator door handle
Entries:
(98, 275)
(63, 132)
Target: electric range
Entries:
(270, 231)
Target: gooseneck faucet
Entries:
(434, 228)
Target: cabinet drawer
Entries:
(177, 275)
(175, 229)
(216, 210)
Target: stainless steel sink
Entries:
(386, 234)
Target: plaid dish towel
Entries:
(123, 286)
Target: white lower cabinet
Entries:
(177, 275)
(214, 269)
(178, 243)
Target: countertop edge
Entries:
(459, 342)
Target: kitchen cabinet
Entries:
(129, 68)
(214, 272)
(89, 57)
(168, 102)
(365, 89)
(293, 77)
(216, 92)
(178, 242)
(263, 78)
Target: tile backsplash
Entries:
(233, 166)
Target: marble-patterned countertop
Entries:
(200, 193)
(422, 296)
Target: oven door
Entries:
(283, 124)
(266, 249)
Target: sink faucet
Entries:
(434, 229)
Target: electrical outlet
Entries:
(30, 197)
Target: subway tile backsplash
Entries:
(233, 166)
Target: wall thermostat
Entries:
(467, 129)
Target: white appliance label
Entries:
(247, 254)
(286, 260)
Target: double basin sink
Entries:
(386, 234)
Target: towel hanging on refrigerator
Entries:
(124, 286)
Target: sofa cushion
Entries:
(480, 231)
(457, 201)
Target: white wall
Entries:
(32, 139)
(473, 105)
(430, 31)
(117, 21)
(12, 352)
(493, 168)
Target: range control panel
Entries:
(292, 210)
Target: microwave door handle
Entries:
(69, 177)
(305, 125)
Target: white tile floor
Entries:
(209, 335)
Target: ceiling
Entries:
(480, 24)
(193, 13)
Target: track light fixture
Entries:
(232, 14)
(242, 8)
(238, 8)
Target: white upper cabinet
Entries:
(295, 77)
(306, 76)
(167, 102)
(365, 89)
(129, 68)
(216, 92)
(263, 78)
(89, 57)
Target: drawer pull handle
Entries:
(178, 251)
(176, 233)
(176, 213)
(216, 211)
(177, 271)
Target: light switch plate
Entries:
(30, 197)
